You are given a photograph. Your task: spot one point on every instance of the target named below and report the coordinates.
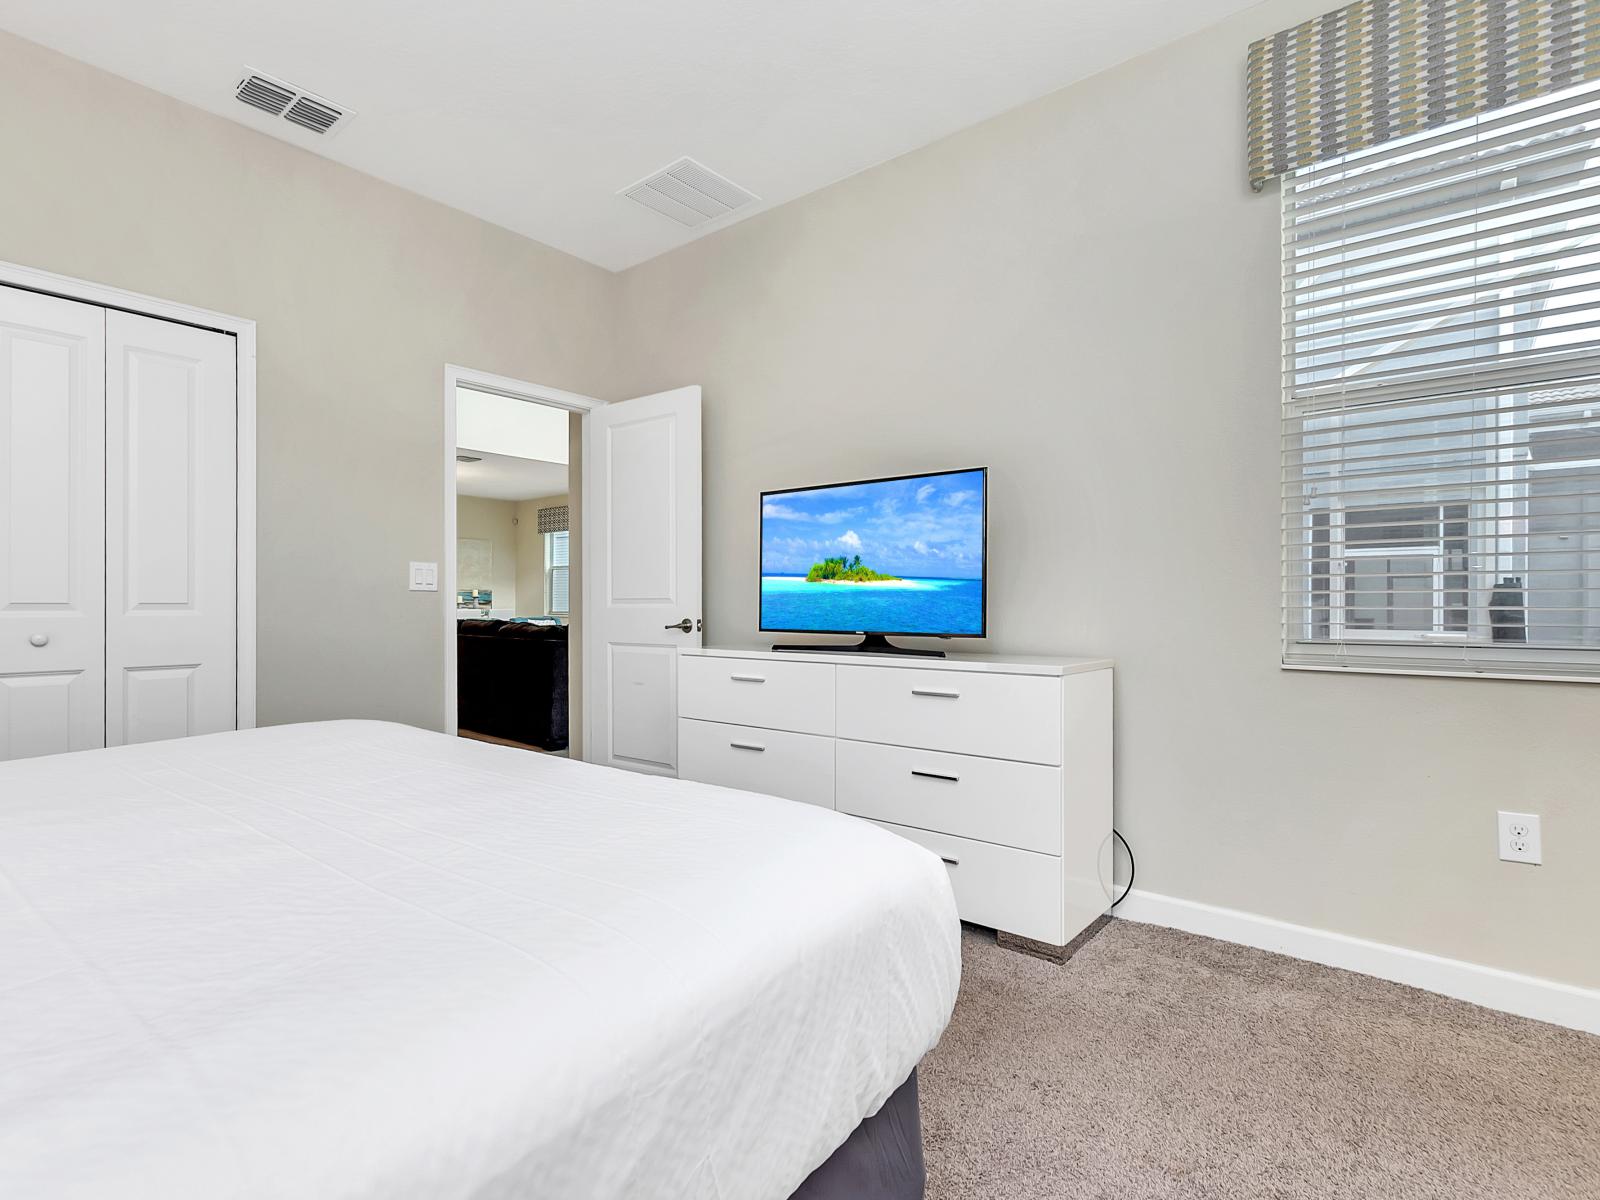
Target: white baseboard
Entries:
(1524, 995)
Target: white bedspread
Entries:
(358, 959)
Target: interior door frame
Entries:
(531, 393)
(101, 295)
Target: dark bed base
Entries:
(881, 1160)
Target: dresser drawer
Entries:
(964, 712)
(774, 695)
(1013, 890)
(992, 800)
(796, 766)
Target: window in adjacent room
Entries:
(1441, 408)
(555, 572)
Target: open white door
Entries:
(641, 523)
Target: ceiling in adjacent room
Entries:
(504, 477)
(536, 116)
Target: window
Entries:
(1441, 401)
(555, 573)
(1402, 571)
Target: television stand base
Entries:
(872, 643)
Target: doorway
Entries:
(512, 579)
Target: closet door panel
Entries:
(171, 540)
(52, 525)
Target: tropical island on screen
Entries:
(890, 556)
(840, 570)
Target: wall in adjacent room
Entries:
(494, 521)
(530, 555)
(361, 292)
(1083, 294)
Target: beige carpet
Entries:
(1158, 1064)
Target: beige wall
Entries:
(362, 294)
(495, 521)
(1031, 294)
(1083, 295)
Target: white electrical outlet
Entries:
(1519, 838)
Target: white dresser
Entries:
(1001, 766)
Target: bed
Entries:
(359, 959)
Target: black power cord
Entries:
(1131, 868)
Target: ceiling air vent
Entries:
(305, 109)
(262, 93)
(313, 115)
(689, 193)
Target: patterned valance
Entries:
(1379, 69)
(553, 520)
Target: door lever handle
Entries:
(683, 626)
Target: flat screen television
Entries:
(900, 556)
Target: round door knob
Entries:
(39, 639)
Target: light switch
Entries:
(424, 577)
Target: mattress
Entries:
(356, 959)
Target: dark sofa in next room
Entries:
(511, 681)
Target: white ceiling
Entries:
(534, 115)
(502, 477)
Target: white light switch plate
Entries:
(1520, 839)
(424, 577)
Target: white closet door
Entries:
(171, 530)
(52, 525)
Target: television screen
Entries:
(886, 556)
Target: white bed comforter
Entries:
(358, 959)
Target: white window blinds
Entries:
(556, 571)
(1441, 410)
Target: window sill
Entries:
(1346, 668)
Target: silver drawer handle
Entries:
(936, 775)
(949, 862)
(748, 678)
(936, 693)
(747, 746)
